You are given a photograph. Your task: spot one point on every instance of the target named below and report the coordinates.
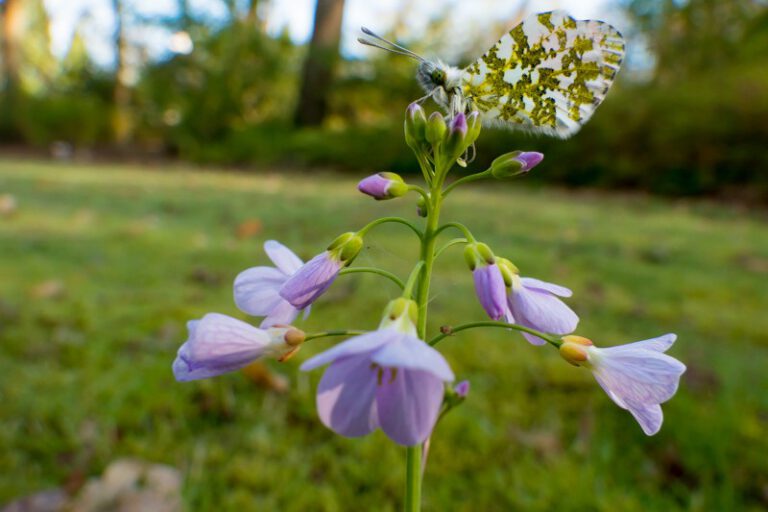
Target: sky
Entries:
(296, 17)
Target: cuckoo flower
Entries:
(219, 344)
(489, 281)
(534, 304)
(317, 275)
(383, 185)
(257, 289)
(638, 376)
(388, 379)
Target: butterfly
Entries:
(547, 75)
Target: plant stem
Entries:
(384, 220)
(325, 334)
(373, 270)
(552, 340)
(466, 179)
(427, 256)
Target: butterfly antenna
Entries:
(393, 48)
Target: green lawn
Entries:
(101, 266)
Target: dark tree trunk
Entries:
(320, 63)
(121, 95)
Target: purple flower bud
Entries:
(515, 163)
(415, 126)
(462, 389)
(311, 280)
(384, 185)
(459, 125)
(530, 159)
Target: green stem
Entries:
(461, 227)
(553, 340)
(373, 270)
(384, 220)
(449, 244)
(466, 179)
(413, 479)
(423, 193)
(408, 288)
(413, 472)
(325, 334)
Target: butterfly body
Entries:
(547, 75)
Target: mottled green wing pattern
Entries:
(548, 75)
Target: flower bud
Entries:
(421, 207)
(459, 137)
(508, 270)
(415, 126)
(474, 124)
(574, 349)
(435, 130)
(346, 247)
(402, 314)
(515, 163)
(476, 254)
(384, 185)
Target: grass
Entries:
(101, 266)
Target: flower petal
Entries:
(660, 344)
(218, 344)
(530, 282)
(346, 397)
(639, 377)
(257, 290)
(649, 417)
(491, 290)
(282, 257)
(542, 311)
(311, 280)
(358, 345)
(282, 314)
(409, 352)
(408, 403)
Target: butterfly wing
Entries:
(547, 75)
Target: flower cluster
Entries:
(392, 378)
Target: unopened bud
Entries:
(401, 314)
(476, 254)
(508, 270)
(421, 207)
(346, 247)
(384, 185)
(415, 126)
(435, 130)
(462, 389)
(515, 163)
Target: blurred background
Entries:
(149, 147)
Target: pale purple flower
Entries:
(534, 304)
(638, 376)
(388, 379)
(311, 280)
(491, 290)
(458, 125)
(515, 163)
(219, 344)
(257, 289)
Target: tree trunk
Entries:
(319, 64)
(121, 95)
